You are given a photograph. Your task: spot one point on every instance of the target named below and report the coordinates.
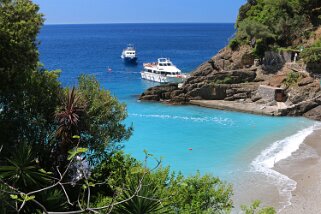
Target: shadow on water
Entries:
(130, 64)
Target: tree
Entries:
(279, 23)
(253, 32)
(28, 93)
(104, 120)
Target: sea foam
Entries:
(280, 150)
(219, 120)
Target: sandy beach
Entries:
(304, 167)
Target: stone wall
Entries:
(286, 55)
(271, 93)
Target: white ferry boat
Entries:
(129, 54)
(162, 71)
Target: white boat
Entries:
(163, 71)
(129, 54)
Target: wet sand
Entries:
(304, 167)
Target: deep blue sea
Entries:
(188, 138)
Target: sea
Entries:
(239, 148)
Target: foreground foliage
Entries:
(166, 191)
(255, 208)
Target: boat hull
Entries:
(130, 60)
(162, 78)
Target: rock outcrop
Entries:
(233, 76)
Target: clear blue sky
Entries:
(139, 11)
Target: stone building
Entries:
(272, 93)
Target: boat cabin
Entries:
(164, 62)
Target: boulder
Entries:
(314, 114)
(159, 92)
(256, 98)
(306, 81)
(301, 108)
(150, 98)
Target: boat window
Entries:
(168, 64)
(149, 71)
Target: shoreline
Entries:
(299, 172)
(250, 108)
(303, 167)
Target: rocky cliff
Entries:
(236, 77)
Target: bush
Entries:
(234, 44)
(311, 55)
(200, 194)
(256, 209)
(226, 80)
(292, 78)
(174, 192)
(260, 48)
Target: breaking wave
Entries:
(219, 120)
(280, 150)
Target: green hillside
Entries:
(273, 24)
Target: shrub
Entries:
(311, 55)
(255, 208)
(162, 191)
(234, 44)
(292, 78)
(226, 80)
(260, 48)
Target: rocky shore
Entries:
(234, 80)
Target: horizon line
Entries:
(115, 23)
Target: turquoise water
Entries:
(188, 138)
(223, 143)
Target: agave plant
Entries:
(54, 199)
(144, 201)
(22, 170)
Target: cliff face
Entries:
(235, 77)
(211, 81)
(281, 82)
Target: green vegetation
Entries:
(270, 24)
(256, 209)
(60, 148)
(226, 80)
(171, 193)
(234, 44)
(292, 78)
(313, 53)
